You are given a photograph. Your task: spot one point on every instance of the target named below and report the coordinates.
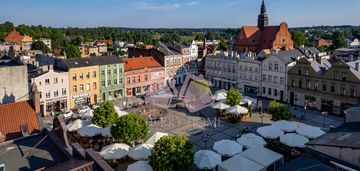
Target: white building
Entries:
(274, 73)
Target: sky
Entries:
(178, 13)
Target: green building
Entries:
(111, 72)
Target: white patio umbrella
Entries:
(106, 132)
(294, 140)
(227, 147)
(310, 131)
(285, 125)
(88, 114)
(238, 163)
(251, 140)
(114, 151)
(155, 137)
(120, 112)
(269, 132)
(221, 91)
(89, 131)
(77, 124)
(141, 152)
(140, 165)
(206, 159)
(219, 96)
(220, 106)
(237, 110)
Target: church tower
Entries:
(263, 20)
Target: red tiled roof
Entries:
(140, 63)
(13, 115)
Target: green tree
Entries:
(223, 46)
(172, 153)
(167, 37)
(39, 45)
(105, 115)
(233, 97)
(279, 111)
(130, 128)
(338, 39)
(298, 38)
(72, 51)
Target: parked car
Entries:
(84, 109)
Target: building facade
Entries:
(111, 70)
(263, 36)
(324, 86)
(13, 82)
(53, 87)
(83, 81)
(143, 75)
(220, 70)
(249, 74)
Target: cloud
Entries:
(192, 3)
(155, 6)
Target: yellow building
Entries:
(26, 42)
(83, 81)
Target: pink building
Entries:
(54, 91)
(143, 75)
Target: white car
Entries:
(68, 114)
(84, 109)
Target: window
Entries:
(335, 76)
(306, 72)
(276, 67)
(270, 66)
(342, 91)
(293, 84)
(138, 78)
(74, 88)
(264, 77)
(94, 86)
(344, 78)
(74, 77)
(300, 84)
(282, 80)
(256, 77)
(81, 76)
(269, 78)
(275, 79)
(63, 90)
(47, 81)
(120, 81)
(269, 91)
(128, 81)
(324, 87)
(264, 90)
(94, 74)
(40, 83)
(146, 77)
(88, 87)
(352, 92)
(115, 82)
(332, 88)
(62, 80)
(55, 80)
(103, 83)
(88, 75)
(138, 90)
(299, 72)
(120, 70)
(308, 84)
(47, 94)
(25, 129)
(133, 79)
(108, 72)
(109, 83)
(316, 85)
(275, 92)
(81, 87)
(56, 93)
(115, 71)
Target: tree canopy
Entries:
(174, 36)
(338, 39)
(233, 97)
(105, 115)
(39, 45)
(72, 51)
(172, 153)
(223, 46)
(130, 128)
(279, 111)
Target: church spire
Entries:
(263, 20)
(263, 7)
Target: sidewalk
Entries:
(315, 118)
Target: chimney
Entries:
(35, 98)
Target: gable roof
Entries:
(166, 50)
(105, 60)
(140, 63)
(13, 115)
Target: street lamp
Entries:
(324, 113)
(261, 114)
(205, 139)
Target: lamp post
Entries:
(205, 139)
(261, 114)
(324, 113)
(305, 107)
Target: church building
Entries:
(263, 36)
